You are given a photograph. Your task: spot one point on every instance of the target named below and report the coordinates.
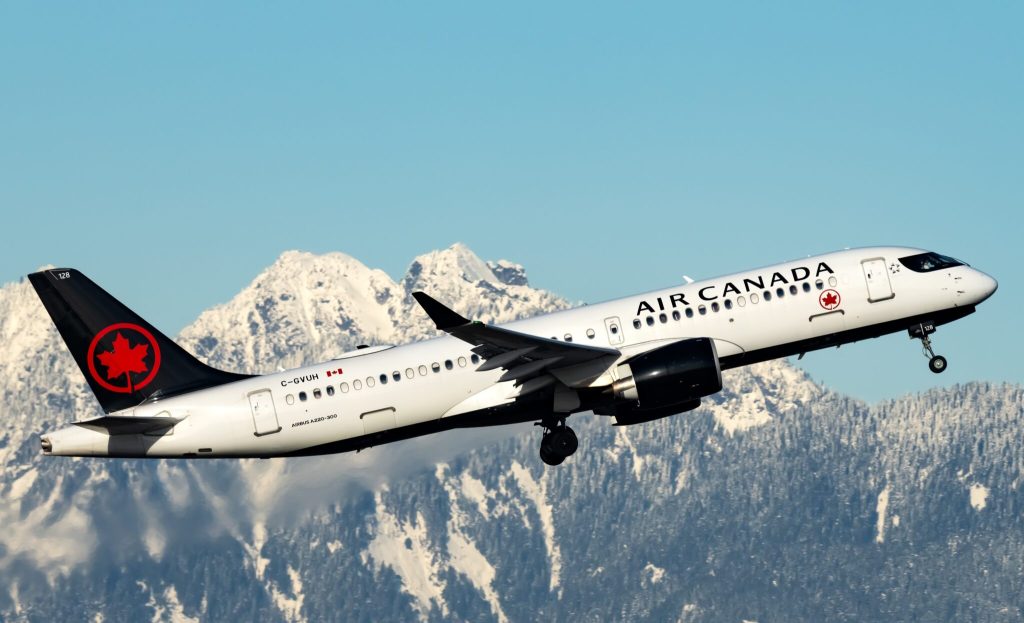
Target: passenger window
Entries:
(818, 284)
(396, 375)
(650, 321)
(462, 362)
(289, 399)
(728, 303)
(316, 393)
(689, 312)
(741, 301)
(767, 296)
(702, 310)
(662, 317)
(436, 367)
(675, 314)
(807, 287)
(369, 382)
(344, 388)
(614, 329)
(567, 337)
(474, 359)
(358, 385)
(779, 292)
(448, 365)
(302, 396)
(383, 379)
(636, 323)
(832, 281)
(753, 298)
(409, 373)
(590, 333)
(330, 390)
(792, 290)
(422, 370)
(714, 306)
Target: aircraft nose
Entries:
(986, 286)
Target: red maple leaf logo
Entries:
(125, 358)
(829, 300)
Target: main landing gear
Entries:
(936, 363)
(558, 443)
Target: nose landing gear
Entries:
(936, 363)
(558, 443)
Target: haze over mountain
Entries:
(778, 500)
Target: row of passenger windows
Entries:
(383, 379)
(590, 334)
(741, 301)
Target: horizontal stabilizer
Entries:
(127, 425)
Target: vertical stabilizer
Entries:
(124, 359)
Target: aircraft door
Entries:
(877, 277)
(614, 329)
(264, 415)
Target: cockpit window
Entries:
(927, 262)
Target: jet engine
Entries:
(627, 414)
(679, 373)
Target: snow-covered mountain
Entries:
(307, 307)
(778, 500)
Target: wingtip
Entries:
(442, 316)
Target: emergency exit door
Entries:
(614, 329)
(264, 415)
(877, 277)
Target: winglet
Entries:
(445, 318)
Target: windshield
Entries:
(927, 262)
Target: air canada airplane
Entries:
(635, 359)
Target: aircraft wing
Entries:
(522, 355)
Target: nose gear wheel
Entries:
(936, 363)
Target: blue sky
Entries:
(173, 151)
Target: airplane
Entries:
(634, 359)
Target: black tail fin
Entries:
(124, 359)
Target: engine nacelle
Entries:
(627, 414)
(680, 372)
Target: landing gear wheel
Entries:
(559, 441)
(564, 441)
(936, 363)
(547, 452)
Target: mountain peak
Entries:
(311, 307)
(456, 261)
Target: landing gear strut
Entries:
(936, 363)
(558, 443)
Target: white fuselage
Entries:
(293, 411)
